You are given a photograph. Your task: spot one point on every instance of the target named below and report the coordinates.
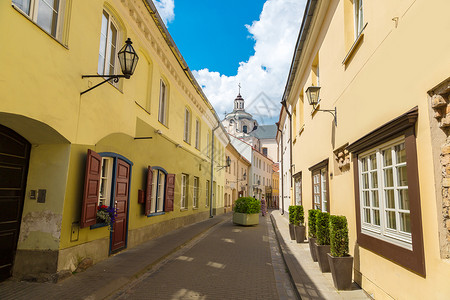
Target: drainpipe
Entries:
(282, 185)
(290, 139)
(212, 172)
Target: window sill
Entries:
(31, 20)
(354, 46)
(156, 214)
(195, 208)
(98, 225)
(183, 209)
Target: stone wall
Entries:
(440, 104)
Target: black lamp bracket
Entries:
(107, 78)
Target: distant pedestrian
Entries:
(263, 206)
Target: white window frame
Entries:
(208, 142)
(320, 197)
(298, 190)
(106, 179)
(195, 192)
(187, 125)
(33, 13)
(197, 133)
(158, 190)
(382, 231)
(110, 47)
(163, 103)
(359, 17)
(208, 191)
(184, 191)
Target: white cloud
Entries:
(166, 10)
(263, 76)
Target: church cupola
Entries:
(239, 102)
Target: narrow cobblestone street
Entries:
(229, 262)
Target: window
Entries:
(387, 195)
(244, 128)
(47, 14)
(320, 186)
(359, 19)
(385, 207)
(184, 190)
(197, 134)
(187, 125)
(208, 144)
(208, 189)
(298, 189)
(162, 115)
(106, 174)
(264, 150)
(107, 58)
(158, 189)
(195, 192)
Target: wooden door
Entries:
(14, 158)
(119, 235)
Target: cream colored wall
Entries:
(388, 74)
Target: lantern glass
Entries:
(312, 93)
(228, 161)
(128, 59)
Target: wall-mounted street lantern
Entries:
(128, 60)
(312, 93)
(227, 164)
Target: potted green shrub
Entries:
(299, 224)
(323, 240)
(341, 263)
(291, 211)
(246, 211)
(312, 213)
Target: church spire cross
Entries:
(239, 85)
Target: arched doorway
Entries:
(14, 159)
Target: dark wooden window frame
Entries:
(314, 169)
(404, 125)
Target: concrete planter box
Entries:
(312, 248)
(322, 258)
(292, 231)
(341, 270)
(245, 219)
(300, 233)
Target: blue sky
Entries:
(225, 43)
(212, 34)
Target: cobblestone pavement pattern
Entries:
(230, 262)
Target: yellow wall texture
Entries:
(41, 83)
(401, 56)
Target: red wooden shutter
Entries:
(91, 189)
(148, 191)
(170, 192)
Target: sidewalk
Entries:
(109, 275)
(310, 282)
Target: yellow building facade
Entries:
(236, 177)
(383, 65)
(141, 145)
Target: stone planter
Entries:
(245, 219)
(292, 231)
(312, 248)
(300, 233)
(341, 270)
(322, 258)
